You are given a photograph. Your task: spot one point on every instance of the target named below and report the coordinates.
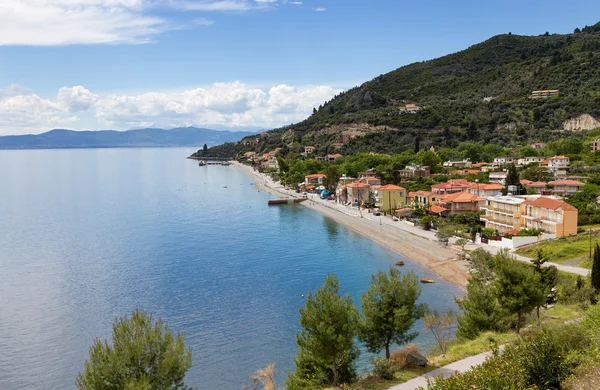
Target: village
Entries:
(508, 214)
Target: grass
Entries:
(573, 250)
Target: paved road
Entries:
(460, 366)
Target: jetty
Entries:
(274, 202)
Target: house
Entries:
(368, 173)
(422, 199)
(460, 202)
(345, 180)
(332, 157)
(374, 182)
(498, 177)
(544, 94)
(553, 216)
(510, 214)
(565, 187)
(390, 197)
(465, 172)
(595, 145)
(414, 170)
(450, 187)
(530, 160)
(558, 162)
(316, 178)
(309, 149)
(538, 145)
(484, 190)
(539, 187)
(358, 193)
(264, 134)
(410, 108)
(466, 163)
(504, 160)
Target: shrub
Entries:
(384, 368)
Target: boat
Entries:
(399, 263)
(202, 163)
(426, 280)
(226, 163)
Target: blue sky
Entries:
(94, 64)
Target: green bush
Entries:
(384, 368)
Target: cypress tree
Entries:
(596, 269)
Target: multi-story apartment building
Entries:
(565, 187)
(510, 214)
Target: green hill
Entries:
(479, 94)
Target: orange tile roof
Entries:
(525, 181)
(536, 184)
(460, 197)
(370, 179)
(437, 209)
(483, 186)
(357, 185)
(315, 176)
(423, 193)
(566, 182)
(549, 203)
(391, 187)
(457, 183)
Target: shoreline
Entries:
(396, 236)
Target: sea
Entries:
(89, 235)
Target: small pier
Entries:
(274, 202)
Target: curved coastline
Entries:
(396, 236)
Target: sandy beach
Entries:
(413, 243)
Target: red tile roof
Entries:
(457, 183)
(549, 203)
(357, 185)
(315, 176)
(566, 182)
(460, 197)
(437, 209)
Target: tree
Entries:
(440, 326)
(513, 179)
(144, 355)
(264, 378)
(536, 173)
(390, 309)
(596, 269)
(332, 177)
(518, 288)
(462, 242)
(548, 275)
(326, 347)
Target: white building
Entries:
(498, 177)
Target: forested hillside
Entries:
(480, 94)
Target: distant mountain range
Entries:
(183, 136)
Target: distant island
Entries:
(182, 136)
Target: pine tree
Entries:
(518, 288)
(326, 347)
(513, 179)
(596, 269)
(390, 310)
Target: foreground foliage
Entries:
(144, 355)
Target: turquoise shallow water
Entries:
(89, 235)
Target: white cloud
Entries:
(63, 22)
(67, 22)
(76, 99)
(320, 9)
(229, 104)
(224, 104)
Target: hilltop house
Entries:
(538, 145)
(309, 149)
(414, 170)
(595, 145)
(530, 160)
(390, 197)
(410, 108)
(498, 177)
(504, 160)
(332, 157)
(539, 187)
(544, 94)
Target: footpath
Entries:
(461, 366)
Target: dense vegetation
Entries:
(451, 90)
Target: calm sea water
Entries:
(90, 235)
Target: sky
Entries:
(229, 64)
